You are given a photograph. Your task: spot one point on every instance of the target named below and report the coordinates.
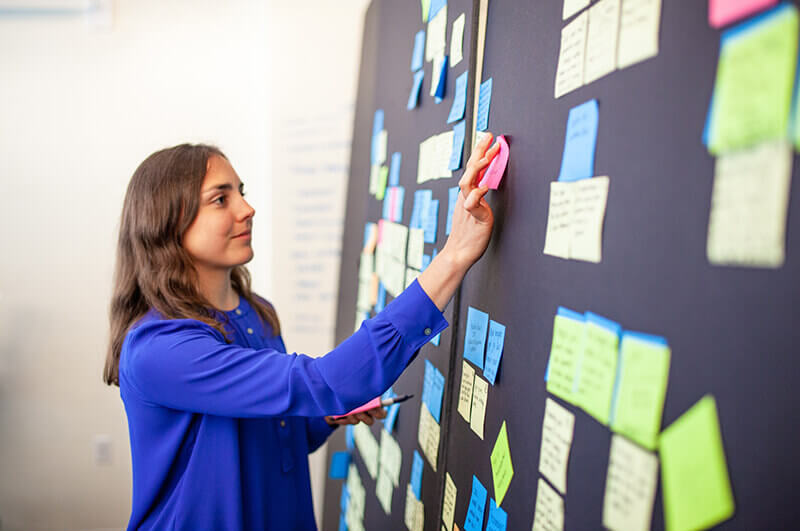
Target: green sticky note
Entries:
(755, 77)
(426, 5)
(383, 175)
(564, 353)
(598, 371)
(641, 388)
(502, 468)
(694, 474)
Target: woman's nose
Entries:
(246, 211)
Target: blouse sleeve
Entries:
(187, 365)
(317, 432)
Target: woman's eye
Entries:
(219, 200)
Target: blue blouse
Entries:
(220, 432)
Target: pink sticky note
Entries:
(372, 404)
(380, 230)
(722, 12)
(494, 173)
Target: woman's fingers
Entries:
(476, 166)
(478, 152)
(378, 412)
(365, 418)
(473, 202)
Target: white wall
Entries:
(79, 109)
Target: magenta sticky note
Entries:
(494, 173)
(723, 12)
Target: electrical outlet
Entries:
(102, 449)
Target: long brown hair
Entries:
(153, 270)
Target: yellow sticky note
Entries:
(630, 486)
(569, 74)
(426, 6)
(601, 40)
(755, 77)
(638, 31)
(598, 368)
(449, 502)
(480, 390)
(564, 354)
(383, 175)
(644, 370)
(465, 391)
(549, 512)
(428, 435)
(502, 468)
(694, 477)
(457, 40)
(383, 491)
(557, 429)
(390, 457)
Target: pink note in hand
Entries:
(494, 173)
(723, 12)
(372, 404)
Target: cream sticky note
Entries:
(642, 387)
(416, 248)
(557, 429)
(449, 501)
(694, 474)
(465, 390)
(559, 220)
(569, 74)
(362, 300)
(457, 41)
(749, 203)
(383, 491)
(638, 31)
(755, 76)
(410, 513)
(502, 467)
(368, 447)
(436, 35)
(383, 139)
(434, 157)
(565, 353)
(480, 391)
(411, 275)
(601, 40)
(571, 7)
(630, 486)
(588, 212)
(391, 457)
(374, 178)
(428, 435)
(549, 512)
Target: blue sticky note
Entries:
(339, 463)
(394, 169)
(494, 350)
(459, 130)
(459, 99)
(342, 522)
(419, 49)
(391, 417)
(431, 221)
(386, 210)
(377, 122)
(579, 143)
(452, 197)
(400, 192)
(413, 96)
(344, 501)
(442, 86)
(436, 339)
(426, 261)
(498, 518)
(416, 475)
(349, 437)
(389, 393)
(475, 336)
(484, 102)
(433, 390)
(381, 304)
(476, 508)
(436, 6)
(419, 212)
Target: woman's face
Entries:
(219, 237)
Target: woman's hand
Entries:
(469, 233)
(472, 217)
(367, 417)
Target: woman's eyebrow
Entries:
(219, 187)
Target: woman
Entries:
(221, 419)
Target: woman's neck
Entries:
(215, 285)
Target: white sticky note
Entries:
(428, 435)
(457, 40)
(480, 391)
(436, 36)
(416, 247)
(557, 431)
(569, 75)
(434, 157)
(638, 31)
(630, 486)
(410, 512)
(449, 502)
(559, 220)
(383, 139)
(411, 275)
(571, 7)
(368, 447)
(391, 457)
(749, 203)
(465, 391)
(588, 212)
(383, 490)
(601, 40)
(549, 512)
